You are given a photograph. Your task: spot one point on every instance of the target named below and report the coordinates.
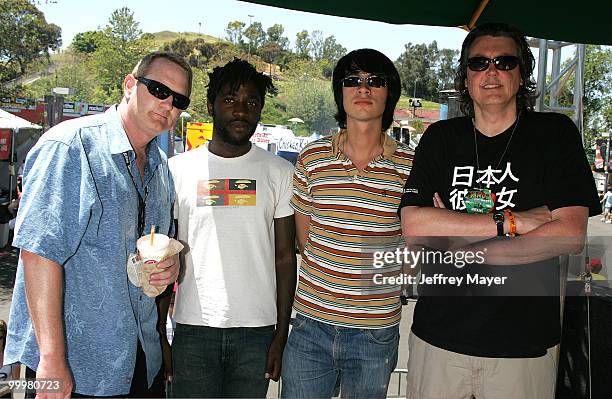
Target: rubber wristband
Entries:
(512, 222)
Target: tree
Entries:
(332, 51)
(597, 99)
(285, 59)
(274, 111)
(275, 35)
(234, 32)
(445, 65)
(180, 46)
(198, 52)
(270, 53)
(26, 36)
(123, 26)
(597, 87)
(302, 44)
(74, 73)
(256, 36)
(197, 107)
(311, 100)
(116, 56)
(316, 44)
(425, 68)
(87, 42)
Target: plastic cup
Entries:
(152, 253)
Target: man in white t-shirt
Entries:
(236, 289)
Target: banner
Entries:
(262, 139)
(5, 144)
(198, 134)
(294, 144)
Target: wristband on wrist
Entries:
(498, 218)
(512, 222)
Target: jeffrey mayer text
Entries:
(439, 279)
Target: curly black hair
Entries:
(525, 98)
(237, 73)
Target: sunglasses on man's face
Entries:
(501, 63)
(161, 91)
(371, 81)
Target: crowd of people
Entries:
(94, 185)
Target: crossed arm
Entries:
(422, 225)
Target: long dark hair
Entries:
(525, 98)
(372, 61)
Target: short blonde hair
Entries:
(142, 68)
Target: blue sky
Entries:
(211, 17)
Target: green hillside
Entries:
(165, 36)
(404, 103)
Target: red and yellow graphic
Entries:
(227, 192)
(198, 134)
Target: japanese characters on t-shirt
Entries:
(466, 177)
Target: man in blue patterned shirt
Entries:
(92, 186)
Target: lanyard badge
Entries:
(479, 200)
(482, 200)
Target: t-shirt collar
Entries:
(389, 145)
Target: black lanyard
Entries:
(141, 200)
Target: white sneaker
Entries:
(608, 221)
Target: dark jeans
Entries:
(319, 356)
(139, 387)
(220, 362)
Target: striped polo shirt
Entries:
(353, 213)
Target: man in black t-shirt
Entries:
(503, 170)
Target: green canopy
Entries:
(567, 20)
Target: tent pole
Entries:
(11, 165)
(477, 13)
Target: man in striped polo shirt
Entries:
(347, 188)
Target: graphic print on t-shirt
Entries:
(227, 192)
(502, 180)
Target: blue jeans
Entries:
(318, 356)
(220, 362)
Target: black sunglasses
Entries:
(161, 91)
(501, 63)
(371, 81)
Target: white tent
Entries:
(23, 135)
(10, 121)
